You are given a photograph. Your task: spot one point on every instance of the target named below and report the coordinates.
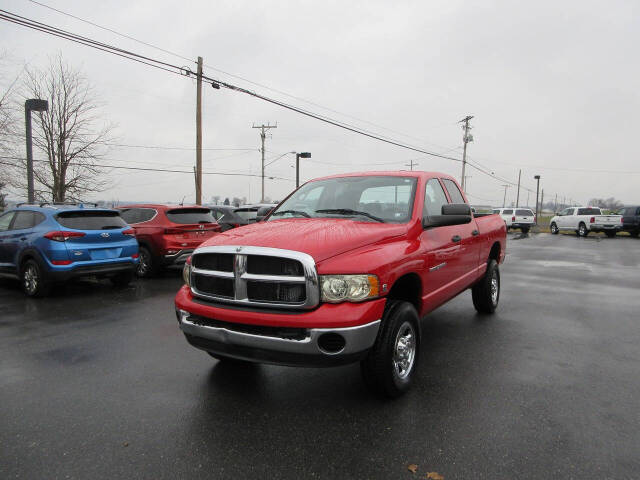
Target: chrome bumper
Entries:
(177, 258)
(278, 350)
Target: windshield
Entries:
(368, 199)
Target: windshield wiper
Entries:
(292, 212)
(348, 211)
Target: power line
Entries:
(23, 21)
(145, 169)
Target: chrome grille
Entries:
(257, 276)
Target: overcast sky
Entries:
(553, 87)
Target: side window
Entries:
(23, 221)
(454, 191)
(5, 221)
(38, 218)
(217, 213)
(507, 212)
(128, 215)
(566, 211)
(146, 214)
(434, 198)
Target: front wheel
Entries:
(554, 229)
(582, 230)
(486, 293)
(390, 365)
(32, 279)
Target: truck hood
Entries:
(321, 238)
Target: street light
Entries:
(298, 157)
(35, 105)
(537, 177)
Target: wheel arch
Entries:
(407, 287)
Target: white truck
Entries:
(522, 218)
(583, 220)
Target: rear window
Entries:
(588, 211)
(524, 213)
(91, 220)
(247, 214)
(190, 215)
(507, 212)
(137, 215)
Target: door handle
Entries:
(456, 238)
(475, 232)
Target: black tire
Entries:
(33, 280)
(485, 298)
(524, 230)
(554, 229)
(610, 234)
(582, 230)
(122, 279)
(390, 365)
(147, 264)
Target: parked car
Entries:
(583, 220)
(342, 271)
(227, 217)
(254, 213)
(167, 234)
(522, 218)
(631, 220)
(44, 244)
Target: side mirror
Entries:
(452, 214)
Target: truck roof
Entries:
(391, 173)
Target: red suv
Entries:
(167, 234)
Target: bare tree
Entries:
(7, 139)
(607, 203)
(71, 134)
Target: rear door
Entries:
(524, 215)
(189, 227)
(99, 235)
(18, 236)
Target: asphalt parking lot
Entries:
(99, 383)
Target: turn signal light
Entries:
(592, 219)
(60, 236)
(61, 262)
(130, 231)
(135, 255)
(513, 219)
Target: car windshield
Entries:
(366, 198)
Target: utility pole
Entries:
(411, 164)
(199, 134)
(555, 209)
(263, 128)
(537, 177)
(466, 139)
(518, 195)
(504, 200)
(542, 201)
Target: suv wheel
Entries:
(390, 365)
(32, 279)
(554, 229)
(582, 230)
(486, 293)
(146, 267)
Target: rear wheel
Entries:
(32, 279)
(122, 279)
(146, 264)
(582, 230)
(390, 365)
(486, 293)
(554, 229)
(610, 234)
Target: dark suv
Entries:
(167, 234)
(631, 220)
(43, 244)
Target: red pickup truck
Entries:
(342, 271)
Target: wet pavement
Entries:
(99, 383)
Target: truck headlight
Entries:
(348, 288)
(186, 272)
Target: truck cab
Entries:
(342, 271)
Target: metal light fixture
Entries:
(31, 105)
(298, 157)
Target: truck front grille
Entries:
(256, 276)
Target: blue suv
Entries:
(43, 244)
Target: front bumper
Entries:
(297, 338)
(280, 346)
